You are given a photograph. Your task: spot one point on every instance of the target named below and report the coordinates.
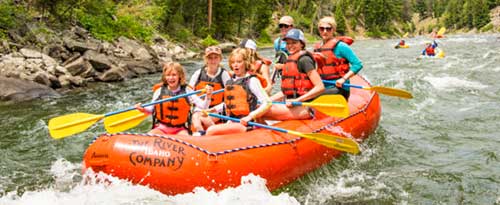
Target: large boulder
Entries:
(16, 90)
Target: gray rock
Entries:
(17, 90)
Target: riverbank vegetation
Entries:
(196, 22)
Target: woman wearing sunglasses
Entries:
(341, 61)
(285, 25)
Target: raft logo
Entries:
(157, 153)
(174, 162)
(95, 155)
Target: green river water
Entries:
(442, 147)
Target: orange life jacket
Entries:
(334, 67)
(293, 82)
(429, 50)
(173, 113)
(238, 97)
(216, 82)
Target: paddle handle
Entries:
(213, 93)
(250, 123)
(343, 85)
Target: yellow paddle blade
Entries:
(406, 35)
(332, 105)
(441, 54)
(391, 91)
(67, 125)
(441, 31)
(123, 121)
(331, 141)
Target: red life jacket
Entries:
(334, 67)
(238, 97)
(216, 82)
(173, 113)
(429, 50)
(293, 82)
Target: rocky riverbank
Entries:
(36, 64)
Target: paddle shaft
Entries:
(344, 85)
(160, 101)
(250, 123)
(310, 104)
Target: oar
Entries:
(379, 89)
(331, 141)
(406, 35)
(70, 124)
(127, 120)
(332, 105)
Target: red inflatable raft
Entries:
(177, 164)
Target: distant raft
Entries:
(175, 164)
(402, 46)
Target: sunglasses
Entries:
(325, 29)
(284, 26)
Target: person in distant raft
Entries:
(430, 48)
(300, 81)
(172, 117)
(401, 44)
(260, 65)
(212, 74)
(244, 96)
(341, 61)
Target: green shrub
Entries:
(264, 37)
(209, 41)
(486, 28)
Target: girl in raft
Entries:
(211, 74)
(172, 116)
(244, 96)
(259, 63)
(300, 81)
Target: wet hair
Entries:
(173, 66)
(244, 54)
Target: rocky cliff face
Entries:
(73, 58)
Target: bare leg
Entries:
(282, 112)
(226, 129)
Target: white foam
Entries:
(103, 189)
(451, 83)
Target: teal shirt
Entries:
(342, 50)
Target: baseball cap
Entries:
(248, 43)
(295, 34)
(213, 49)
(288, 20)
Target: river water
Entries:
(442, 147)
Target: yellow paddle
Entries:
(441, 31)
(406, 35)
(331, 141)
(332, 105)
(379, 89)
(66, 125)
